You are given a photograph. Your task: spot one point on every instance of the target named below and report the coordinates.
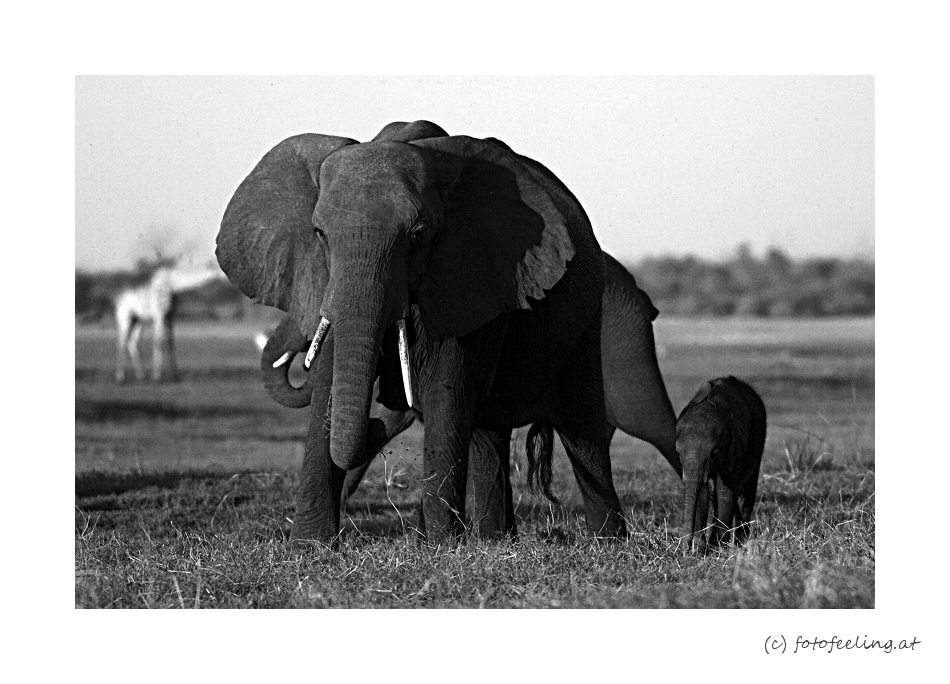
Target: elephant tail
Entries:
(539, 447)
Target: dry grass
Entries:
(184, 495)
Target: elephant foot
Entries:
(315, 545)
(612, 526)
(493, 533)
(309, 536)
(492, 525)
(725, 539)
(448, 541)
(313, 529)
(448, 534)
(693, 545)
(743, 533)
(434, 535)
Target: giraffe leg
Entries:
(122, 325)
(133, 348)
(170, 344)
(160, 334)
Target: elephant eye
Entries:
(418, 233)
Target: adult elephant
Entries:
(636, 399)
(487, 267)
(488, 453)
(634, 391)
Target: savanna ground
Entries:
(184, 492)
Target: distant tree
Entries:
(775, 285)
(777, 261)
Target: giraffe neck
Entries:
(181, 281)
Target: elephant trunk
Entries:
(354, 371)
(367, 286)
(695, 508)
(284, 343)
(635, 394)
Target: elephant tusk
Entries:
(317, 341)
(404, 360)
(282, 360)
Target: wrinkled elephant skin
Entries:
(492, 267)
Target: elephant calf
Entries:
(720, 436)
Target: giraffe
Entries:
(154, 302)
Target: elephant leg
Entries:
(726, 511)
(455, 384)
(592, 472)
(383, 428)
(701, 519)
(580, 424)
(445, 465)
(317, 515)
(746, 503)
(492, 509)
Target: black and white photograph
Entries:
(549, 336)
(584, 342)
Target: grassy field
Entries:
(184, 492)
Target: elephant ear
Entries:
(505, 236)
(267, 245)
(400, 131)
(700, 396)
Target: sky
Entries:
(662, 165)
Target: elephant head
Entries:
(346, 236)
(286, 341)
(711, 437)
